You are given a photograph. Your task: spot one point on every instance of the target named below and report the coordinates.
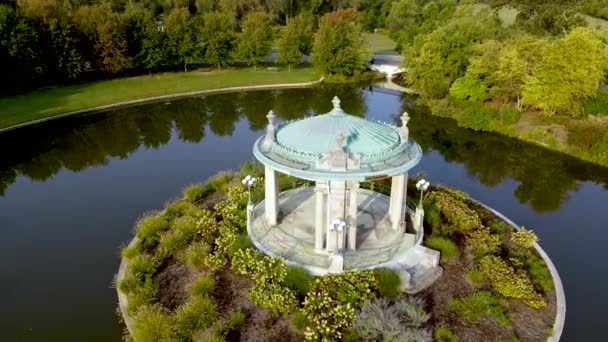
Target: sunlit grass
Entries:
(49, 102)
(380, 44)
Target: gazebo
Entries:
(337, 225)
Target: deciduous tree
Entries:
(296, 40)
(219, 38)
(256, 41)
(183, 37)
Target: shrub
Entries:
(431, 216)
(483, 242)
(194, 192)
(274, 297)
(599, 104)
(389, 283)
(541, 136)
(475, 277)
(218, 181)
(187, 225)
(599, 150)
(299, 320)
(196, 254)
(153, 323)
(445, 246)
(196, 314)
(260, 267)
(443, 334)
(381, 320)
(146, 293)
(477, 117)
(535, 267)
(477, 304)
(179, 208)
(298, 280)
(351, 336)
(129, 284)
(236, 319)
(148, 229)
(510, 116)
(142, 265)
(207, 226)
(210, 336)
(469, 89)
(499, 227)
(348, 287)
(509, 282)
(171, 243)
(456, 211)
(585, 134)
(524, 238)
(129, 252)
(202, 286)
(240, 242)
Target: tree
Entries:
(548, 18)
(112, 44)
(256, 40)
(436, 59)
(296, 40)
(278, 7)
(146, 41)
(339, 45)
(569, 74)
(219, 37)
(18, 48)
(183, 37)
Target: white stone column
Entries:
(271, 199)
(319, 217)
(352, 216)
(336, 202)
(398, 198)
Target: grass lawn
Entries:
(380, 44)
(48, 102)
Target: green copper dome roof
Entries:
(317, 134)
(337, 146)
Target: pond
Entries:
(71, 189)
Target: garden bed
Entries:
(192, 274)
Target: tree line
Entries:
(46, 42)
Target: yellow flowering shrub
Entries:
(453, 207)
(524, 238)
(510, 282)
(483, 242)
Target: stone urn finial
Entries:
(404, 132)
(269, 138)
(336, 102)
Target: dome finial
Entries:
(336, 102)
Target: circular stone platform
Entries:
(293, 237)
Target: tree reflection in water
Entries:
(545, 178)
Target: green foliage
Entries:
(456, 212)
(148, 229)
(438, 58)
(389, 282)
(179, 208)
(143, 293)
(330, 303)
(142, 265)
(236, 319)
(432, 216)
(477, 117)
(194, 192)
(256, 40)
(196, 254)
(475, 277)
(296, 40)
(298, 280)
(339, 46)
(129, 284)
(548, 18)
(477, 304)
(273, 296)
(129, 252)
(509, 282)
(469, 88)
(184, 229)
(196, 314)
(524, 238)
(299, 320)
(599, 150)
(153, 323)
(219, 181)
(498, 227)
(569, 74)
(202, 286)
(596, 8)
(443, 334)
(381, 320)
(510, 115)
(240, 242)
(541, 136)
(534, 266)
(597, 105)
(483, 242)
(445, 246)
(183, 35)
(220, 38)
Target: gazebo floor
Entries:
(293, 237)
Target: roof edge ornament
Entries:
(404, 131)
(336, 102)
(339, 158)
(270, 137)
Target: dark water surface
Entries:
(71, 190)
